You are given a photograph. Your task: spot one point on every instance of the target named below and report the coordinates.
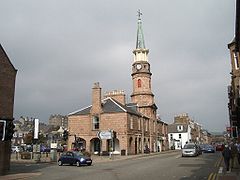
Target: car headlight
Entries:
(82, 159)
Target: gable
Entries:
(5, 62)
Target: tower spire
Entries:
(140, 38)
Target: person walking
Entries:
(238, 148)
(227, 156)
(234, 152)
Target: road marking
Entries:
(214, 176)
(178, 156)
(218, 162)
(210, 176)
(220, 171)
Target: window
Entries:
(171, 136)
(235, 57)
(139, 83)
(146, 125)
(95, 122)
(180, 128)
(154, 126)
(2, 129)
(180, 136)
(139, 124)
(131, 123)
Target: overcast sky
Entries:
(61, 47)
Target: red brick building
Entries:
(7, 90)
(136, 125)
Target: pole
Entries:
(112, 143)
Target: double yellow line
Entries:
(218, 162)
(213, 176)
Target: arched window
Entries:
(139, 83)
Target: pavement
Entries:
(234, 174)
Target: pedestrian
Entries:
(227, 156)
(238, 148)
(234, 158)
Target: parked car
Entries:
(209, 149)
(44, 149)
(74, 157)
(219, 147)
(190, 149)
(203, 147)
(16, 149)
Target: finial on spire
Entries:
(139, 14)
(140, 39)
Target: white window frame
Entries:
(4, 128)
(139, 124)
(131, 122)
(235, 58)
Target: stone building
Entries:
(58, 120)
(135, 124)
(7, 91)
(195, 128)
(234, 88)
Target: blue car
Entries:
(209, 149)
(74, 157)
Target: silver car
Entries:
(190, 149)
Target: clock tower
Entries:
(141, 76)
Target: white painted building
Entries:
(178, 135)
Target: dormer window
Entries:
(180, 128)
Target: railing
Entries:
(35, 156)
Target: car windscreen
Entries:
(78, 154)
(189, 146)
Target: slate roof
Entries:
(172, 128)
(110, 105)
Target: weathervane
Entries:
(139, 14)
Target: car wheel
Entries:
(78, 164)
(60, 163)
(89, 164)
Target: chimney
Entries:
(96, 99)
(117, 95)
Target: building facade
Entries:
(58, 120)
(179, 135)
(191, 131)
(234, 88)
(135, 125)
(7, 91)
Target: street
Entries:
(160, 166)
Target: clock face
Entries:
(139, 66)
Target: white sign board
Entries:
(36, 128)
(104, 135)
(53, 145)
